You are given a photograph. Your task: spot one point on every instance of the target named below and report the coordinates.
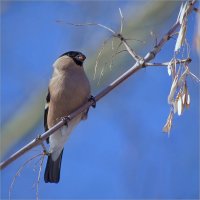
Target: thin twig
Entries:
(101, 75)
(98, 57)
(18, 173)
(89, 24)
(131, 52)
(188, 60)
(124, 50)
(133, 39)
(114, 54)
(35, 165)
(137, 66)
(122, 20)
(194, 77)
(39, 175)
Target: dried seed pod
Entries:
(173, 90)
(180, 105)
(181, 37)
(188, 101)
(167, 127)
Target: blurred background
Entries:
(120, 151)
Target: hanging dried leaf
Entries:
(169, 67)
(180, 105)
(181, 37)
(185, 93)
(168, 125)
(179, 14)
(182, 13)
(183, 99)
(173, 90)
(188, 101)
(175, 109)
(173, 67)
(169, 70)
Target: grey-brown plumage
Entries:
(69, 89)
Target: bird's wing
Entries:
(46, 113)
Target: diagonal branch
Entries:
(137, 66)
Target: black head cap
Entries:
(78, 57)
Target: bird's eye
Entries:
(80, 57)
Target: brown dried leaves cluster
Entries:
(179, 97)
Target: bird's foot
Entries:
(45, 152)
(93, 100)
(66, 120)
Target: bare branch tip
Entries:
(122, 20)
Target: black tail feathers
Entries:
(52, 171)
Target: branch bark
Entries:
(140, 63)
(188, 60)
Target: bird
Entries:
(69, 89)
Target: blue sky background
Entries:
(120, 151)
